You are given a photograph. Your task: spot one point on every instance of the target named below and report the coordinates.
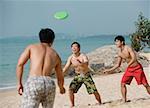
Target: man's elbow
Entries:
(19, 65)
(118, 65)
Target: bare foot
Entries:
(125, 101)
(98, 104)
(128, 101)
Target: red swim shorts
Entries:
(136, 72)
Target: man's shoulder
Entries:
(30, 46)
(128, 47)
(33, 45)
(70, 57)
(83, 55)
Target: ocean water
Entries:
(11, 48)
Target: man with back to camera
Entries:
(39, 87)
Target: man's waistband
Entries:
(81, 73)
(39, 77)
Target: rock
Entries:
(106, 57)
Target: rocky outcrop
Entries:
(106, 57)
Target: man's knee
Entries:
(146, 85)
(123, 85)
(96, 93)
(71, 91)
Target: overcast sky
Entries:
(86, 17)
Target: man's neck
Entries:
(47, 44)
(77, 54)
(122, 47)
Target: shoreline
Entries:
(3, 89)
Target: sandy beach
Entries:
(107, 85)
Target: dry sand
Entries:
(108, 86)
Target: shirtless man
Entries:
(40, 88)
(80, 63)
(134, 69)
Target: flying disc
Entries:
(61, 15)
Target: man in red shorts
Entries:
(134, 69)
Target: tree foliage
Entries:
(141, 38)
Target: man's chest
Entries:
(76, 61)
(124, 54)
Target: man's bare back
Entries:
(43, 59)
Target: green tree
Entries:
(141, 38)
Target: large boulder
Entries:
(106, 57)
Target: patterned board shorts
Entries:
(38, 90)
(79, 79)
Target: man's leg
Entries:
(71, 95)
(74, 86)
(91, 88)
(126, 79)
(141, 79)
(147, 88)
(144, 82)
(97, 96)
(124, 92)
(30, 97)
(50, 91)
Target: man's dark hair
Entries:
(120, 38)
(46, 35)
(76, 43)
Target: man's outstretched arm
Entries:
(19, 69)
(66, 67)
(59, 75)
(115, 66)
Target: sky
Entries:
(149, 8)
(86, 17)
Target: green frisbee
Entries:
(61, 15)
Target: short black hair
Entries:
(76, 43)
(120, 38)
(47, 35)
